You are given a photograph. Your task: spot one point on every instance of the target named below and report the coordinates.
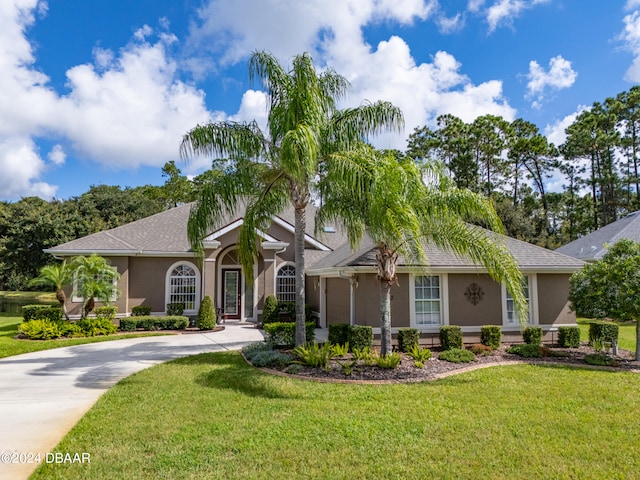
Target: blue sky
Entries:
(101, 91)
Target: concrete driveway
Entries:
(44, 394)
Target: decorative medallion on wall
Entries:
(474, 293)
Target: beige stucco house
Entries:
(157, 267)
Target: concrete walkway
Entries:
(44, 394)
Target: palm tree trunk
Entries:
(300, 227)
(62, 298)
(387, 260)
(385, 318)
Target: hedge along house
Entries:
(157, 267)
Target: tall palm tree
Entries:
(266, 171)
(94, 278)
(400, 207)
(58, 275)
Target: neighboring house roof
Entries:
(591, 247)
(529, 257)
(165, 233)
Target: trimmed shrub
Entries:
(360, 337)
(532, 336)
(68, 329)
(603, 332)
(284, 333)
(451, 337)
(93, 327)
(149, 324)
(491, 335)
(457, 355)
(270, 310)
(408, 338)
(175, 309)
(51, 313)
(128, 324)
(339, 333)
(106, 312)
(40, 329)
(32, 312)
(141, 311)
(599, 359)
(206, 319)
(569, 337)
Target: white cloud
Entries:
(332, 30)
(631, 4)
(560, 75)
(502, 12)
(631, 37)
(126, 109)
(57, 155)
(21, 165)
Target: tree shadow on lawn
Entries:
(231, 372)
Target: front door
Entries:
(231, 294)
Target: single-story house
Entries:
(593, 246)
(157, 267)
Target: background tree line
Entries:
(511, 163)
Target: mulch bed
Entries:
(434, 368)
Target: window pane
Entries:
(427, 300)
(286, 284)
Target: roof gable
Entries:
(592, 246)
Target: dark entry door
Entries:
(231, 294)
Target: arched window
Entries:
(286, 284)
(183, 282)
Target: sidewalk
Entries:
(44, 394)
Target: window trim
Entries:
(167, 286)
(277, 276)
(534, 319)
(444, 301)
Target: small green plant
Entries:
(491, 335)
(271, 358)
(529, 350)
(40, 329)
(206, 319)
(252, 349)
(106, 312)
(480, 349)
(293, 368)
(339, 333)
(338, 350)
(93, 327)
(451, 337)
(141, 311)
(419, 354)
(270, 310)
(600, 359)
(360, 336)
(532, 335)
(175, 309)
(361, 353)
(314, 355)
(348, 366)
(389, 361)
(457, 355)
(569, 337)
(408, 338)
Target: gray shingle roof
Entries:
(529, 257)
(166, 232)
(592, 246)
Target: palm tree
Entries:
(268, 171)
(95, 278)
(59, 276)
(400, 207)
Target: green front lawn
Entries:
(10, 346)
(213, 416)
